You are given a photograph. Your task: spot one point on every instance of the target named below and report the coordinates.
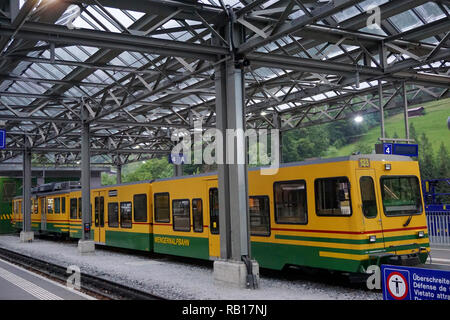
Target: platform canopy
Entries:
(143, 68)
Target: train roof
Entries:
(372, 157)
(54, 188)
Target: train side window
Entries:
(79, 208)
(259, 215)
(197, 215)
(181, 215)
(214, 210)
(333, 197)
(125, 214)
(35, 206)
(290, 202)
(63, 204)
(369, 202)
(113, 214)
(50, 205)
(57, 205)
(73, 208)
(162, 207)
(140, 207)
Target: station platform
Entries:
(440, 257)
(19, 284)
(177, 279)
(180, 279)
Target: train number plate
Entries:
(364, 163)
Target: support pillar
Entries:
(119, 174)
(26, 235)
(85, 244)
(235, 266)
(405, 111)
(380, 103)
(177, 170)
(277, 124)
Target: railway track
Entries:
(91, 285)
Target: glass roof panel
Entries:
(406, 21)
(346, 14)
(430, 12)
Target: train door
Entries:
(99, 216)
(368, 205)
(213, 208)
(43, 201)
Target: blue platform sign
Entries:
(409, 283)
(387, 148)
(177, 158)
(401, 149)
(2, 139)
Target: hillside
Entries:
(433, 123)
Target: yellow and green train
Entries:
(341, 214)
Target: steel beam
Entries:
(110, 40)
(297, 24)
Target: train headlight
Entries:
(420, 234)
(387, 166)
(372, 239)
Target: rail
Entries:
(93, 285)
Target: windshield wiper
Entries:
(408, 221)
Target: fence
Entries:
(438, 220)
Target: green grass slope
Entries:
(433, 123)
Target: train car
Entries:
(49, 209)
(340, 214)
(122, 216)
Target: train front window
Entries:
(369, 202)
(401, 195)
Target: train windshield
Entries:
(401, 195)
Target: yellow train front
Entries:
(340, 214)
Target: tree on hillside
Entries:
(156, 168)
(412, 132)
(304, 143)
(442, 162)
(426, 158)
